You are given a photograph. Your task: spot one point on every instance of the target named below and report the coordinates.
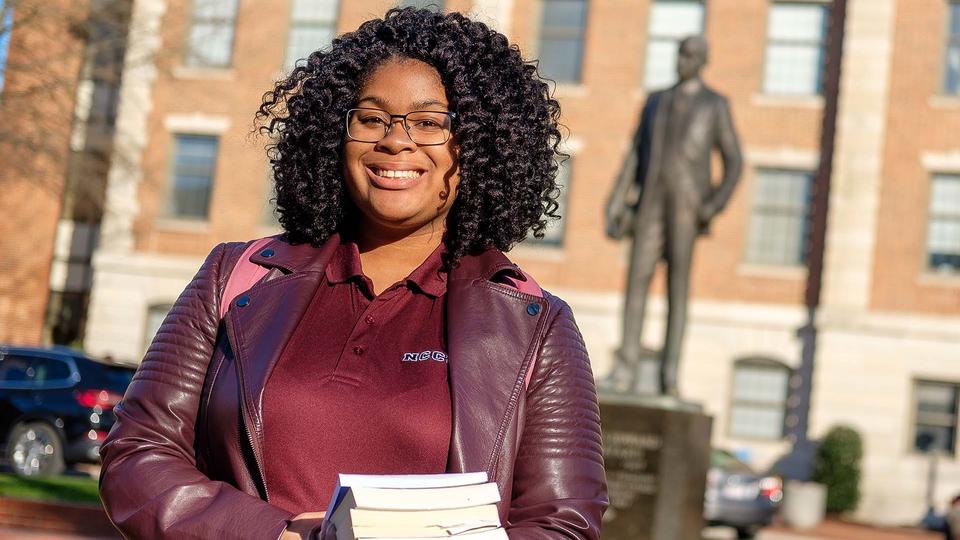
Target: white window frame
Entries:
(762, 363)
(749, 257)
(822, 46)
(578, 80)
(952, 42)
(931, 419)
(932, 215)
(674, 39)
(557, 240)
(195, 59)
(167, 212)
(300, 24)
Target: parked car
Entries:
(56, 407)
(738, 497)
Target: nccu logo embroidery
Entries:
(436, 356)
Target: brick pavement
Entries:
(25, 534)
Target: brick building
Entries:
(187, 174)
(60, 64)
(36, 90)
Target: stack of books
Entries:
(415, 507)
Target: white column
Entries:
(858, 158)
(119, 295)
(136, 100)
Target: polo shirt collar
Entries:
(345, 265)
(428, 277)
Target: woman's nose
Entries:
(396, 138)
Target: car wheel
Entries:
(747, 532)
(34, 449)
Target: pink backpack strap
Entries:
(529, 286)
(244, 274)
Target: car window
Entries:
(16, 369)
(50, 370)
(727, 461)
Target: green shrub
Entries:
(837, 465)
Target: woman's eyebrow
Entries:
(415, 106)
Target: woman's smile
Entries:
(394, 176)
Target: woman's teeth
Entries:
(387, 173)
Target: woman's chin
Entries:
(396, 217)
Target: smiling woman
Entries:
(407, 158)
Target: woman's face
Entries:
(397, 185)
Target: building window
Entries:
(313, 24)
(194, 161)
(269, 217)
(554, 233)
(778, 223)
(436, 5)
(936, 417)
(563, 24)
(212, 28)
(155, 315)
(796, 33)
(943, 234)
(952, 80)
(670, 22)
(759, 399)
(6, 26)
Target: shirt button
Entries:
(369, 319)
(358, 350)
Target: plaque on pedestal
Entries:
(656, 453)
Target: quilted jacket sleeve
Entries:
(150, 485)
(559, 487)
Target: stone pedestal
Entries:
(657, 452)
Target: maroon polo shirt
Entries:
(361, 387)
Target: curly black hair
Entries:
(507, 129)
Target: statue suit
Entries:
(664, 199)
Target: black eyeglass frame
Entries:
(403, 122)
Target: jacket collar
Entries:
(486, 264)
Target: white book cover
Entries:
(494, 534)
(402, 481)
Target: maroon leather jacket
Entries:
(184, 459)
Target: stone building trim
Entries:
(783, 158)
(858, 159)
(941, 162)
(136, 100)
(196, 123)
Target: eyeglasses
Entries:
(425, 128)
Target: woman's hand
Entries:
(301, 526)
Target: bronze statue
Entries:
(664, 199)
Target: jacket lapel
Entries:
(257, 334)
(491, 333)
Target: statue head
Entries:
(691, 57)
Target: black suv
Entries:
(56, 407)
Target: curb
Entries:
(73, 518)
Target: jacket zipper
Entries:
(243, 416)
(256, 462)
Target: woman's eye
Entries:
(372, 120)
(427, 124)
